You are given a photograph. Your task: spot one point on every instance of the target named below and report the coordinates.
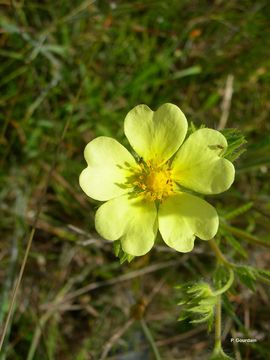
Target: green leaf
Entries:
(192, 128)
(236, 245)
(263, 272)
(238, 211)
(247, 276)
(235, 140)
(193, 70)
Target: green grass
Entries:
(89, 63)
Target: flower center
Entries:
(154, 181)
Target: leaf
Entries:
(192, 128)
(247, 276)
(236, 245)
(263, 272)
(193, 70)
(235, 140)
(238, 211)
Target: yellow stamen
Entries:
(154, 181)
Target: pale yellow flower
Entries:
(154, 193)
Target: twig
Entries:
(118, 279)
(42, 322)
(172, 340)
(226, 103)
(127, 325)
(180, 337)
(116, 336)
(66, 185)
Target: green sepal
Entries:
(192, 128)
(118, 251)
(198, 303)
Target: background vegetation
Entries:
(81, 66)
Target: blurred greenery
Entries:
(88, 63)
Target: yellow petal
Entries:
(132, 220)
(109, 166)
(182, 217)
(198, 165)
(155, 135)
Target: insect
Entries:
(215, 147)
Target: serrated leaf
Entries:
(235, 140)
(246, 276)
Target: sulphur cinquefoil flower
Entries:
(154, 192)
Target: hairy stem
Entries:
(220, 257)
(218, 324)
(227, 285)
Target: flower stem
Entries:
(220, 257)
(218, 324)
(218, 293)
(149, 337)
(227, 285)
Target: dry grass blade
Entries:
(226, 103)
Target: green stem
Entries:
(150, 339)
(218, 324)
(227, 285)
(242, 234)
(220, 257)
(218, 293)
